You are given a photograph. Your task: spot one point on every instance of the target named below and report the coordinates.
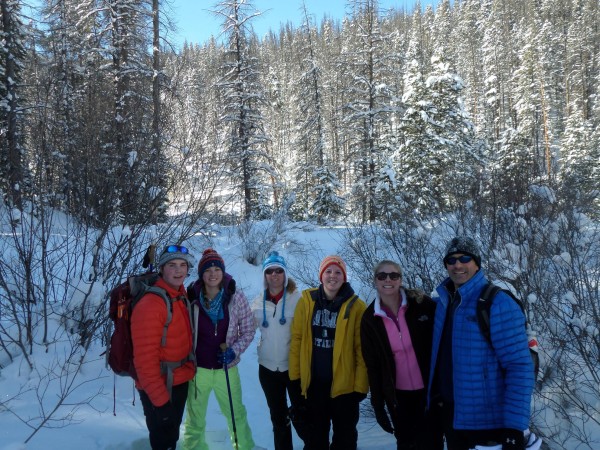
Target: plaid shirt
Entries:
(241, 325)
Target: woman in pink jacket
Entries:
(396, 332)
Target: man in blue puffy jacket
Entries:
(482, 392)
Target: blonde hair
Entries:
(386, 262)
(291, 287)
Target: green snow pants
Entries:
(205, 381)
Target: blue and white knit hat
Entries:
(275, 260)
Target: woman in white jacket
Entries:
(273, 311)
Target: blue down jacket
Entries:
(492, 386)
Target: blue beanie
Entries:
(275, 260)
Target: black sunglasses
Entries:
(175, 249)
(464, 259)
(383, 275)
(272, 271)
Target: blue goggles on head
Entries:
(176, 249)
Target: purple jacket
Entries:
(241, 329)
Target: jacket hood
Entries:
(228, 289)
(345, 293)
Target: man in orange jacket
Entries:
(161, 363)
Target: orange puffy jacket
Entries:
(147, 322)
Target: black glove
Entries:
(299, 409)
(358, 396)
(383, 420)
(298, 413)
(295, 392)
(513, 440)
(226, 356)
(300, 418)
(149, 256)
(165, 415)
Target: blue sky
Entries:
(196, 24)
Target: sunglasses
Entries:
(464, 259)
(383, 275)
(175, 249)
(272, 271)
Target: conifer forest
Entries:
(478, 117)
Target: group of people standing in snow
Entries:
(432, 376)
(212, 320)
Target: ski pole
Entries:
(223, 348)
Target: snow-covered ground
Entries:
(94, 427)
(84, 391)
(101, 430)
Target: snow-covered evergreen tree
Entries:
(439, 139)
(467, 42)
(367, 117)
(310, 138)
(77, 98)
(511, 169)
(132, 137)
(12, 58)
(580, 164)
(243, 97)
(413, 162)
(328, 204)
(453, 140)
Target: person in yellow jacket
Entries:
(326, 367)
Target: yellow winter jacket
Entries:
(349, 370)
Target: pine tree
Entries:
(579, 164)
(579, 59)
(310, 140)
(467, 41)
(511, 169)
(439, 137)
(99, 115)
(498, 67)
(76, 99)
(413, 154)
(327, 203)
(529, 108)
(367, 112)
(243, 97)
(12, 57)
(131, 140)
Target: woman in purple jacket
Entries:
(396, 332)
(221, 315)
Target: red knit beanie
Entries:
(330, 260)
(210, 258)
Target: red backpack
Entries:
(119, 352)
(123, 299)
